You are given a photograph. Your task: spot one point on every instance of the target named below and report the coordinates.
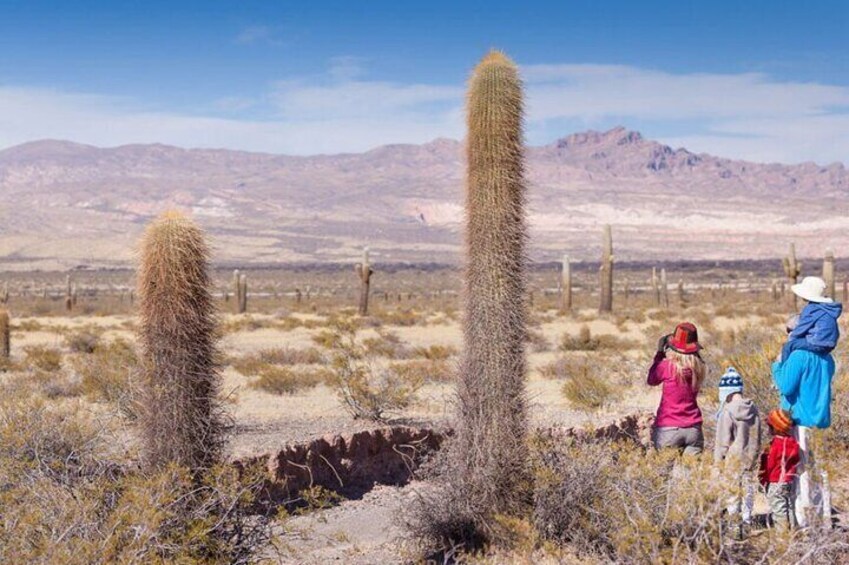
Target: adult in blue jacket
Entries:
(804, 381)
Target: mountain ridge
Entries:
(67, 203)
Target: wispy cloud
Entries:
(256, 34)
(745, 115)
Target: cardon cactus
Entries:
(364, 272)
(243, 293)
(792, 270)
(181, 416)
(606, 271)
(828, 273)
(5, 334)
(493, 465)
(565, 284)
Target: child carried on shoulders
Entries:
(816, 329)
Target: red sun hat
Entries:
(685, 339)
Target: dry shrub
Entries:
(82, 342)
(109, 374)
(402, 317)
(42, 358)
(585, 341)
(252, 364)
(274, 379)
(619, 503)
(435, 352)
(538, 342)
(589, 389)
(424, 371)
(751, 351)
(67, 499)
(366, 388)
(386, 344)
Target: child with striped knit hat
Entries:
(738, 443)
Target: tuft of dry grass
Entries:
(275, 379)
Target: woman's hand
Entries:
(662, 343)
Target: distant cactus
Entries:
(682, 298)
(237, 290)
(4, 296)
(243, 293)
(493, 408)
(5, 334)
(792, 269)
(828, 273)
(364, 272)
(664, 289)
(69, 301)
(655, 286)
(298, 296)
(846, 292)
(180, 417)
(606, 271)
(565, 285)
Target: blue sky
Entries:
(762, 80)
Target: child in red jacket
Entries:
(778, 468)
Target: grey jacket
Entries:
(738, 434)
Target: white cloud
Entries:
(745, 115)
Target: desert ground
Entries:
(280, 364)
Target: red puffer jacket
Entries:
(780, 463)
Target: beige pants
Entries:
(780, 498)
(691, 441)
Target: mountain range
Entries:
(65, 204)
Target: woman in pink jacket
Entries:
(680, 370)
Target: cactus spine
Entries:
(792, 269)
(491, 391)
(606, 271)
(828, 273)
(180, 419)
(364, 271)
(565, 285)
(5, 334)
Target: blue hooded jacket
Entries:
(816, 331)
(804, 381)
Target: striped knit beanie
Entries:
(729, 383)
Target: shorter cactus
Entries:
(606, 271)
(664, 289)
(364, 271)
(243, 294)
(5, 334)
(565, 285)
(655, 286)
(828, 273)
(792, 269)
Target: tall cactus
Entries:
(181, 418)
(565, 284)
(5, 334)
(828, 273)
(364, 272)
(792, 269)
(491, 433)
(606, 271)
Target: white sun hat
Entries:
(811, 289)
